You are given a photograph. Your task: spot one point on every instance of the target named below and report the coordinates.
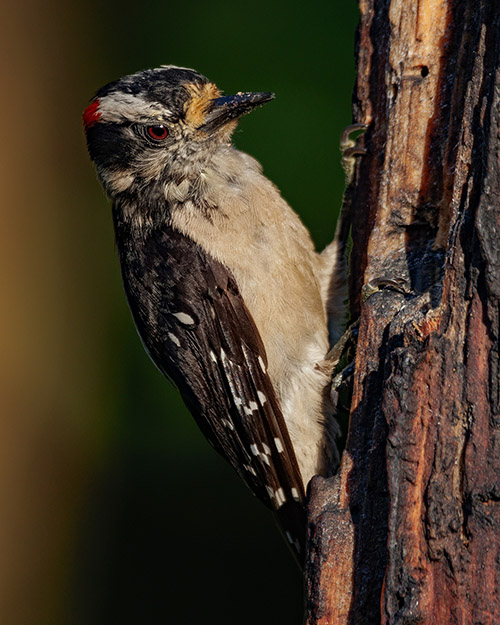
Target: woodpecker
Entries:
(229, 296)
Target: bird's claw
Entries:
(350, 149)
(346, 141)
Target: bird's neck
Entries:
(200, 187)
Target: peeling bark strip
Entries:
(408, 532)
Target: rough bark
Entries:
(408, 532)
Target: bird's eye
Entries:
(158, 133)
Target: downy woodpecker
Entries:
(230, 299)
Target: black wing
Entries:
(198, 331)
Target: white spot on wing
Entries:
(262, 365)
(295, 494)
(253, 405)
(264, 455)
(228, 424)
(248, 411)
(280, 497)
(174, 339)
(213, 356)
(184, 318)
(262, 397)
(279, 445)
(249, 468)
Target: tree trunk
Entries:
(408, 531)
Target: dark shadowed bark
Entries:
(408, 532)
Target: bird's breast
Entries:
(254, 233)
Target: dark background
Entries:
(114, 510)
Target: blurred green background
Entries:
(114, 509)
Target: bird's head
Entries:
(159, 123)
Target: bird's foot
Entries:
(350, 149)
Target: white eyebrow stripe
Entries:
(118, 106)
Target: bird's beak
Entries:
(227, 108)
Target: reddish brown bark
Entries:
(408, 532)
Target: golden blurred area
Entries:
(114, 510)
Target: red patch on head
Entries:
(91, 115)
